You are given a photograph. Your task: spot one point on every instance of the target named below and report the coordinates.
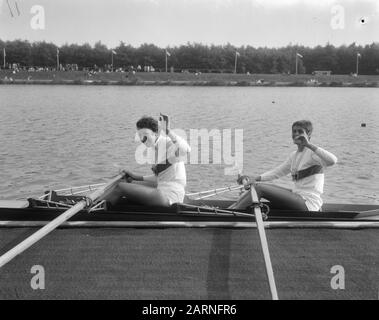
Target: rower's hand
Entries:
(243, 179)
(247, 181)
(128, 176)
(249, 184)
(165, 122)
(302, 140)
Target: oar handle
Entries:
(100, 194)
(95, 196)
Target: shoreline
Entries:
(190, 83)
(7, 77)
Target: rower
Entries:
(166, 185)
(306, 165)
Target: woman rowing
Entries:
(306, 165)
(166, 185)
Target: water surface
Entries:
(54, 136)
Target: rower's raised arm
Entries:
(278, 172)
(327, 158)
(179, 142)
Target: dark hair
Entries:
(305, 124)
(147, 122)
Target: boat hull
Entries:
(197, 215)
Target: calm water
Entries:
(54, 136)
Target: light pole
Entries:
(57, 59)
(298, 55)
(168, 54)
(235, 61)
(4, 55)
(113, 53)
(357, 67)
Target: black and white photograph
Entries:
(189, 155)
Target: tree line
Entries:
(197, 57)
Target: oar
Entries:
(214, 192)
(264, 245)
(95, 196)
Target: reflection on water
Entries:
(53, 136)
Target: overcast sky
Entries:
(270, 23)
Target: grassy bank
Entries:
(190, 79)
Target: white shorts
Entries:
(173, 191)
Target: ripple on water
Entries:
(364, 177)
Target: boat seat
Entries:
(14, 204)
